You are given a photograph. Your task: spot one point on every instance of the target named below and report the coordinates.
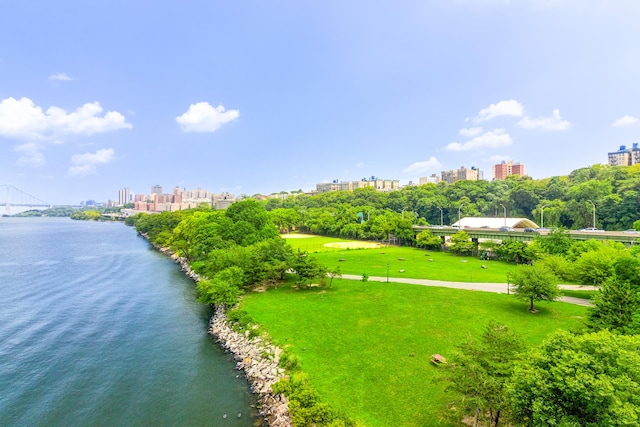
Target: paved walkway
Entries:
(500, 288)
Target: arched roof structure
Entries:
(493, 222)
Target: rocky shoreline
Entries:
(256, 358)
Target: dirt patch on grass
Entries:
(353, 245)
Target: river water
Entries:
(98, 329)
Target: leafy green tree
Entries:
(517, 252)
(595, 267)
(614, 307)
(535, 283)
(461, 243)
(557, 242)
(480, 371)
(425, 239)
(578, 380)
(224, 288)
(307, 269)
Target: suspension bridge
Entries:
(13, 197)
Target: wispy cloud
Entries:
(492, 139)
(85, 164)
(61, 77)
(555, 122)
(510, 108)
(624, 121)
(470, 132)
(423, 167)
(30, 154)
(202, 117)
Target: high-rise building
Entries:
(625, 156)
(377, 183)
(156, 189)
(502, 170)
(470, 174)
(433, 179)
(124, 196)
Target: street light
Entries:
(542, 215)
(505, 214)
(594, 213)
(459, 207)
(441, 223)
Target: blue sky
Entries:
(263, 96)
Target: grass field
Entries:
(416, 263)
(366, 347)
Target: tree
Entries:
(614, 307)
(224, 288)
(333, 274)
(461, 243)
(578, 380)
(481, 369)
(535, 283)
(517, 252)
(425, 239)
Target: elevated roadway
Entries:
(519, 234)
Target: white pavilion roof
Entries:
(485, 222)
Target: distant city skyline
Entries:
(256, 97)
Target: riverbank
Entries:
(255, 357)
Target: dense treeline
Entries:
(565, 200)
(232, 249)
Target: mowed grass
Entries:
(416, 263)
(366, 347)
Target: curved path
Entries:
(500, 288)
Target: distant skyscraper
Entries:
(504, 169)
(468, 174)
(156, 189)
(625, 156)
(124, 196)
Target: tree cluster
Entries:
(565, 201)
(231, 249)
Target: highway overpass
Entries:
(519, 234)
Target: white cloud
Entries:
(503, 108)
(423, 167)
(624, 121)
(23, 119)
(85, 164)
(63, 77)
(202, 117)
(470, 132)
(555, 122)
(492, 139)
(360, 165)
(30, 155)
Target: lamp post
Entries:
(594, 213)
(542, 215)
(505, 214)
(441, 222)
(459, 207)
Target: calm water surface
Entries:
(98, 329)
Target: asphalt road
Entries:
(500, 288)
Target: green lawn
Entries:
(416, 263)
(355, 340)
